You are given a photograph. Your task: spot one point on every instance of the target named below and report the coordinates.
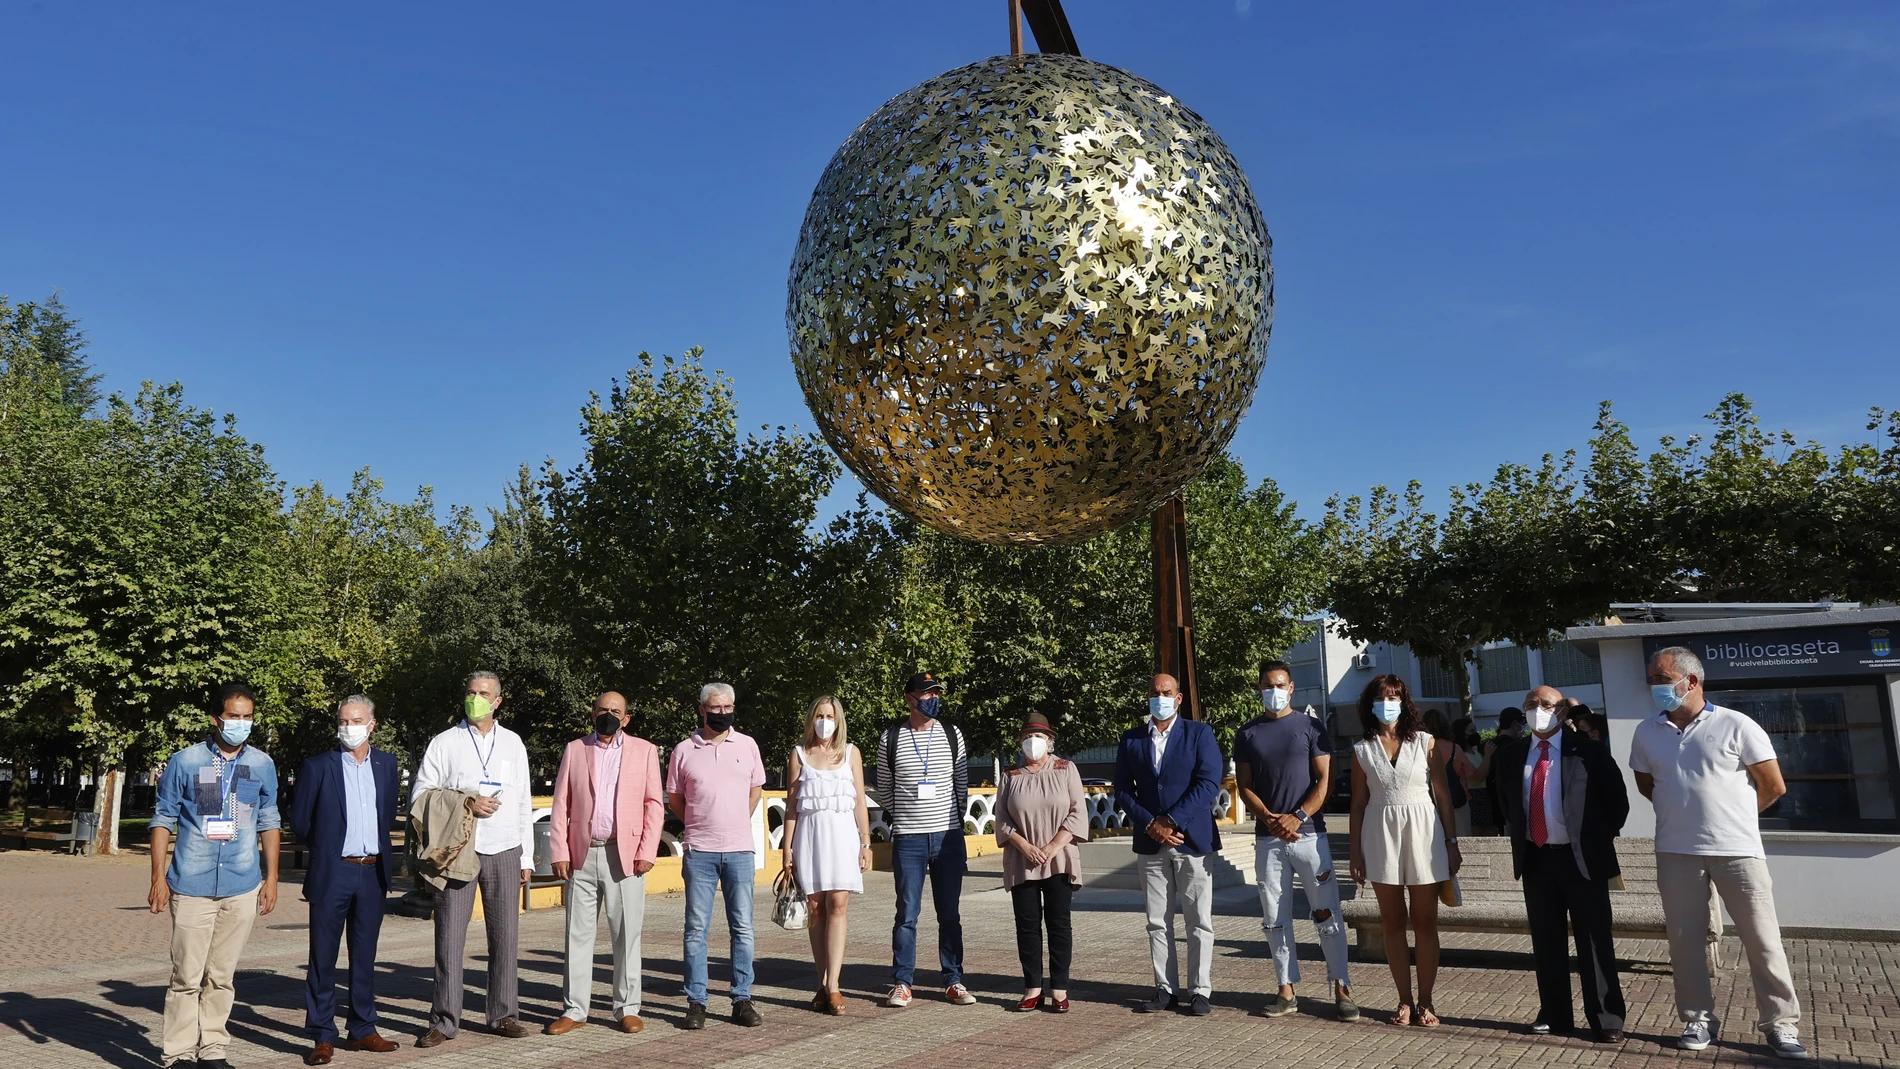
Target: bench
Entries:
(1494, 900)
(76, 829)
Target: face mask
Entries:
(718, 723)
(1161, 709)
(475, 707)
(1665, 696)
(930, 706)
(825, 728)
(352, 735)
(606, 725)
(1542, 719)
(1035, 747)
(1275, 699)
(1387, 710)
(234, 732)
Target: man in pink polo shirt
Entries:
(712, 784)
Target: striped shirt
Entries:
(922, 757)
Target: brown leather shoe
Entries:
(631, 1024)
(834, 1003)
(509, 1028)
(373, 1043)
(432, 1038)
(320, 1054)
(562, 1025)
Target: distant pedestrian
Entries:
(1401, 841)
(1564, 804)
(344, 810)
(1041, 813)
(1469, 766)
(1439, 726)
(923, 782)
(1283, 769)
(713, 784)
(1710, 772)
(484, 766)
(1510, 728)
(827, 839)
(219, 800)
(604, 833)
(1167, 774)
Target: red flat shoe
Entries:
(1058, 1005)
(1028, 1004)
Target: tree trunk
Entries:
(1461, 674)
(107, 799)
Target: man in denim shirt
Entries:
(219, 798)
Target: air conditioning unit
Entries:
(1365, 660)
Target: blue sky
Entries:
(414, 237)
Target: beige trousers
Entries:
(1749, 894)
(207, 936)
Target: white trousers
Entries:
(1168, 877)
(595, 888)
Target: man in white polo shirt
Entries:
(1710, 772)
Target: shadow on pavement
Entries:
(109, 1036)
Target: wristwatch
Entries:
(1303, 815)
(1451, 840)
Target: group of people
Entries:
(1556, 790)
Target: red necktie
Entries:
(1540, 774)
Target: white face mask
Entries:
(1387, 710)
(352, 735)
(1275, 699)
(1035, 747)
(824, 727)
(1161, 709)
(1542, 719)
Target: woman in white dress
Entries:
(827, 840)
(1401, 811)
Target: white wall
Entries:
(1626, 702)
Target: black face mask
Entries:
(718, 723)
(606, 724)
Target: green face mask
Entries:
(475, 707)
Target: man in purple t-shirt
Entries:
(712, 785)
(1283, 767)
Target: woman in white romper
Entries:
(1401, 808)
(827, 840)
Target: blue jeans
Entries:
(939, 853)
(704, 873)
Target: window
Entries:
(1306, 675)
(1835, 754)
(1434, 681)
(1505, 668)
(1567, 666)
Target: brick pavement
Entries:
(82, 973)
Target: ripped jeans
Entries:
(1274, 863)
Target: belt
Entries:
(370, 860)
(1552, 846)
(601, 842)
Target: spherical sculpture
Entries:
(1031, 299)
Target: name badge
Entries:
(489, 788)
(926, 789)
(220, 829)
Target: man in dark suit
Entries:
(342, 810)
(1167, 774)
(1563, 802)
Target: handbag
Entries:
(1450, 893)
(789, 911)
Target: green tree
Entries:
(41, 339)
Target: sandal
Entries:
(1427, 1018)
(1403, 1015)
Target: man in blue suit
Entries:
(342, 809)
(1167, 774)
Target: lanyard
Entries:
(922, 757)
(227, 778)
(492, 740)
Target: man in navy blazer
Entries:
(1167, 775)
(342, 810)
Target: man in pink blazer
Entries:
(603, 850)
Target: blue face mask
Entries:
(1161, 709)
(1665, 696)
(930, 706)
(1387, 710)
(234, 732)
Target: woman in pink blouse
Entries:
(1040, 816)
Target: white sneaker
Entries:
(1786, 1043)
(1695, 1036)
(899, 997)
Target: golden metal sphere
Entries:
(1031, 299)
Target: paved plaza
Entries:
(83, 969)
